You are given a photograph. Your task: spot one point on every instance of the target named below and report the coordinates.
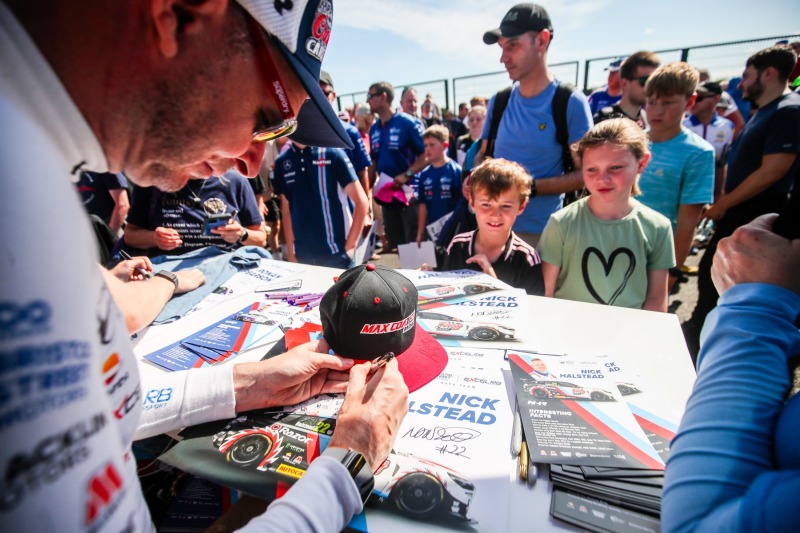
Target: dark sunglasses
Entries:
(641, 79)
(373, 95)
(263, 131)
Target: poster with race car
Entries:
(448, 469)
(573, 413)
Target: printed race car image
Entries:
(428, 293)
(441, 325)
(419, 488)
(626, 388)
(565, 390)
(280, 443)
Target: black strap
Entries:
(560, 102)
(500, 102)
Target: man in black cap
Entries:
(165, 91)
(716, 130)
(527, 130)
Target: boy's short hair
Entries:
(679, 78)
(496, 176)
(383, 87)
(642, 58)
(437, 131)
(781, 57)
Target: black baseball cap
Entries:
(709, 88)
(371, 310)
(520, 19)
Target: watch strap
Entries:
(245, 235)
(358, 467)
(166, 274)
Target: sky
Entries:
(412, 41)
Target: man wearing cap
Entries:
(611, 93)
(145, 92)
(718, 131)
(527, 131)
(634, 72)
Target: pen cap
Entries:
(371, 310)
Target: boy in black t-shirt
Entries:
(499, 192)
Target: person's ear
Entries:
(691, 101)
(523, 206)
(643, 162)
(173, 18)
(543, 39)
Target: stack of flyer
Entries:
(604, 431)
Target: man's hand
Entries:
(189, 280)
(167, 238)
(295, 376)
(230, 232)
(753, 254)
(715, 211)
(482, 261)
(127, 270)
(373, 409)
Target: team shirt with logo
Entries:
(439, 188)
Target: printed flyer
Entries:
(574, 413)
(467, 308)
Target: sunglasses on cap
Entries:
(264, 131)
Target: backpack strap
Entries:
(500, 102)
(559, 108)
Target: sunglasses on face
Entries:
(370, 96)
(264, 131)
(641, 79)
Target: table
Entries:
(654, 340)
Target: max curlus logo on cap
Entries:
(371, 311)
(317, 44)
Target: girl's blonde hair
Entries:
(620, 131)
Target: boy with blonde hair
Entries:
(499, 192)
(679, 180)
(439, 184)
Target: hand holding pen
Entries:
(133, 268)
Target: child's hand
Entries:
(425, 267)
(483, 262)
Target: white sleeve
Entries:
(323, 500)
(176, 400)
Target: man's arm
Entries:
(420, 163)
(688, 216)
(288, 232)
(773, 168)
(161, 238)
(121, 206)
(356, 194)
(559, 184)
(141, 301)
(422, 221)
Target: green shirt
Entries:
(606, 261)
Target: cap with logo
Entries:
(615, 65)
(520, 19)
(301, 29)
(370, 311)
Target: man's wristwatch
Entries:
(357, 466)
(245, 235)
(166, 274)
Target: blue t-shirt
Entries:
(94, 189)
(359, 156)
(313, 180)
(774, 129)
(527, 135)
(396, 144)
(680, 172)
(185, 211)
(439, 189)
(600, 99)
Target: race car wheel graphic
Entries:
(598, 396)
(473, 289)
(484, 334)
(249, 450)
(540, 393)
(418, 494)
